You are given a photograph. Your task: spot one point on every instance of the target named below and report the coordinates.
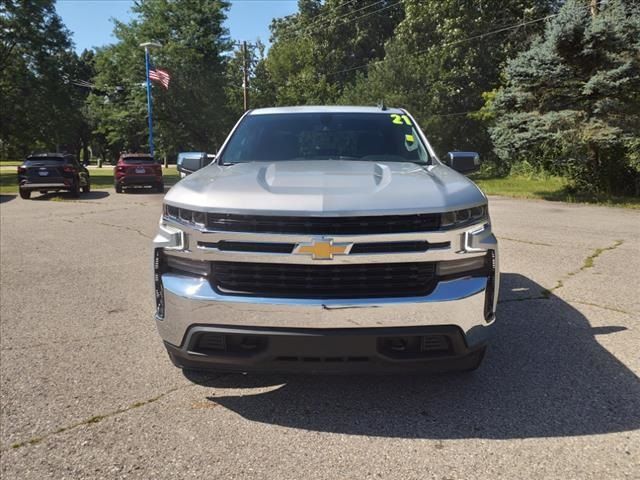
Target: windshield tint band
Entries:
(379, 137)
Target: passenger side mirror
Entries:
(463, 162)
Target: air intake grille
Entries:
(323, 225)
(325, 281)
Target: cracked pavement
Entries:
(87, 390)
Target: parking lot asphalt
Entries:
(87, 390)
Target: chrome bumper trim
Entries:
(192, 301)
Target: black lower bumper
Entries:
(379, 350)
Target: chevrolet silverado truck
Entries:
(327, 240)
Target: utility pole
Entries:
(244, 46)
(245, 77)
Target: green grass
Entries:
(10, 163)
(101, 178)
(543, 188)
(547, 188)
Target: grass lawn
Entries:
(101, 178)
(546, 188)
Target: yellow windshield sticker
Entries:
(409, 138)
(400, 119)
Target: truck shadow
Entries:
(545, 375)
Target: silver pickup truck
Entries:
(327, 239)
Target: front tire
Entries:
(25, 194)
(86, 188)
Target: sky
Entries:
(89, 20)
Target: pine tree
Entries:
(571, 103)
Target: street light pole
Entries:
(146, 46)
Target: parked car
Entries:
(327, 239)
(189, 162)
(137, 170)
(52, 172)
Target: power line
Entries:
(317, 20)
(306, 30)
(375, 11)
(320, 19)
(448, 44)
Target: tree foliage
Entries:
(41, 109)
(571, 103)
(194, 113)
(441, 60)
(314, 51)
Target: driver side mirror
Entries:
(192, 164)
(463, 162)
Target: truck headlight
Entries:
(184, 215)
(461, 218)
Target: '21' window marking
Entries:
(400, 119)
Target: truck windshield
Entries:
(377, 137)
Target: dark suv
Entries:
(137, 170)
(52, 172)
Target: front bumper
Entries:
(190, 301)
(462, 309)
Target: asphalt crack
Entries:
(589, 262)
(96, 418)
(123, 227)
(597, 305)
(528, 242)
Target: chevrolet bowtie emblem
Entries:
(322, 249)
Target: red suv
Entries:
(137, 170)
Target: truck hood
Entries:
(325, 187)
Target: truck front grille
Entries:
(324, 281)
(323, 225)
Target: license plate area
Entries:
(140, 170)
(43, 173)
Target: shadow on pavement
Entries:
(545, 375)
(6, 198)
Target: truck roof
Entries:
(325, 109)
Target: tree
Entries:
(571, 103)
(193, 114)
(36, 70)
(444, 55)
(314, 51)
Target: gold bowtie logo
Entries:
(322, 249)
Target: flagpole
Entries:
(146, 46)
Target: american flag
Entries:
(160, 76)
